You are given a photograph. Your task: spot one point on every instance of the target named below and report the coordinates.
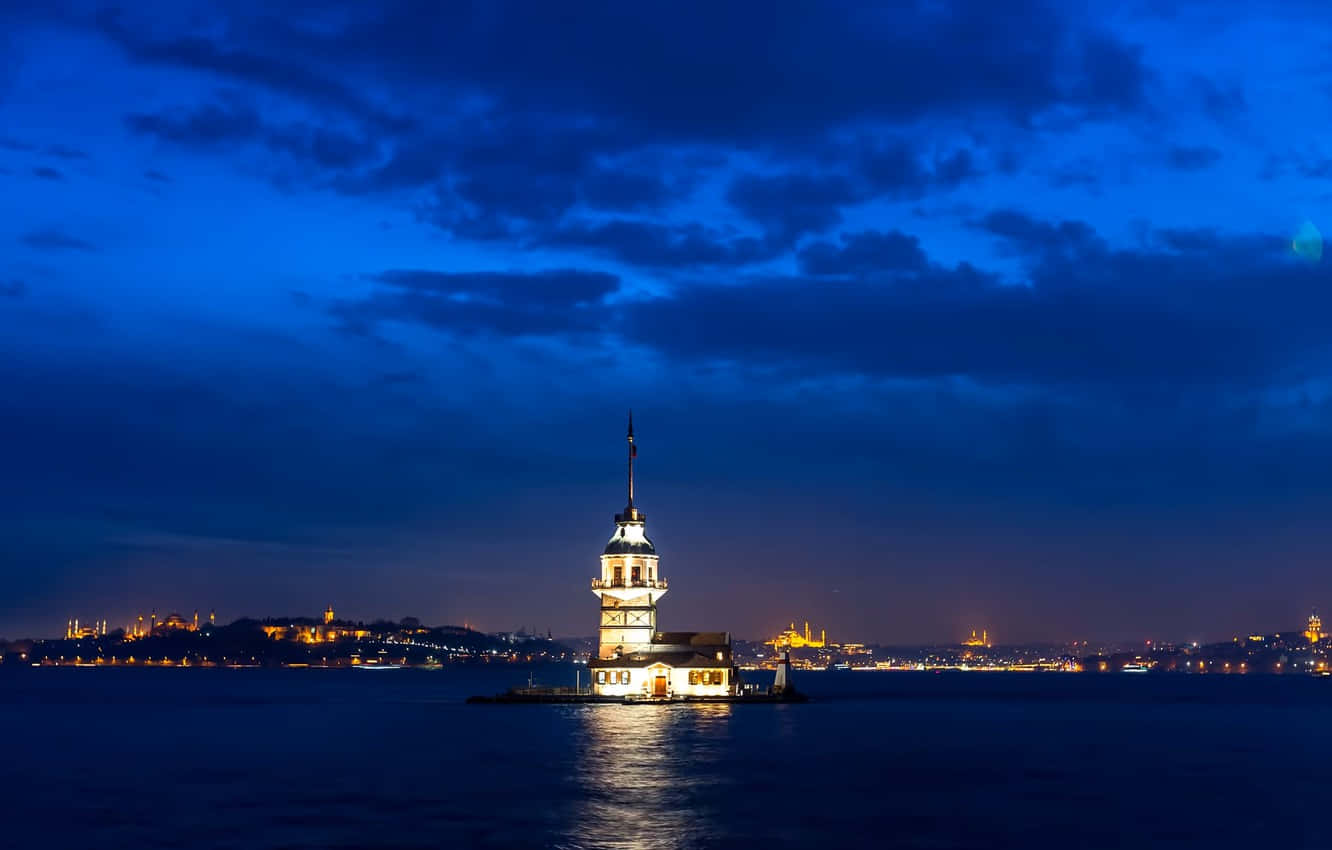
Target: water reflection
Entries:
(648, 777)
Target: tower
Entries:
(1314, 631)
(328, 615)
(630, 583)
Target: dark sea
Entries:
(253, 759)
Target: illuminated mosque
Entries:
(983, 640)
(139, 628)
(792, 639)
(633, 657)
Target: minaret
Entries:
(630, 584)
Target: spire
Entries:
(633, 453)
(631, 513)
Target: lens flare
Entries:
(1308, 242)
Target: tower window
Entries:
(619, 574)
(636, 574)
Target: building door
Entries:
(659, 685)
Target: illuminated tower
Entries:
(328, 615)
(1315, 630)
(630, 584)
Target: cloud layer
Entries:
(1004, 294)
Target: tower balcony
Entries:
(629, 584)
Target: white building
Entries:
(633, 657)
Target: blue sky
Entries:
(934, 316)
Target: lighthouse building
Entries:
(634, 658)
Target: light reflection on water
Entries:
(649, 777)
(276, 760)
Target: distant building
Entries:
(74, 631)
(176, 623)
(792, 639)
(633, 657)
(983, 640)
(306, 630)
(1314, 630)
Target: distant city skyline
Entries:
(932, 316)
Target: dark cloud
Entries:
(615, 189)
(390, 379)
(55, 240)
(896, 170)
(660, 246)
(561, 106)
(157, 176)
(1186, 158)
(1041, 239)
(209, 125)
(47, 173)
(1308, 166)
(1113, 74)
(788, 206)
(556, 288)
(517, 178)
(234, 62)
(1221, 103)
(1087, 316)
(712, 74)
(791, 205)
(867, 253)
(65, 152)
(508, 303)
(1084, 172)
(230, 124)
(13, 289)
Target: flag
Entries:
(633, 450)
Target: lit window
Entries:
(601, 677)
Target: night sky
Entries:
(932, 316)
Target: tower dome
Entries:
(630, 539)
